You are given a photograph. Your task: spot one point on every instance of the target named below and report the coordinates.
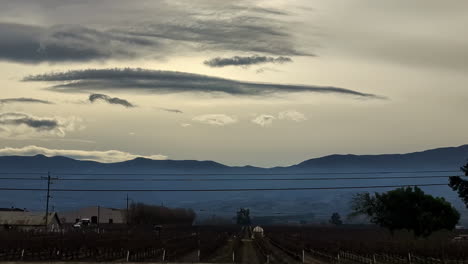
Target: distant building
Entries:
(27, 221)
(257, 232)
(12, 209)
(96, 214)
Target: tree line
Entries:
(144, 214)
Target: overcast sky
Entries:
(263, 83)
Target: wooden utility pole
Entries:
(49, 182)
(127, 210)
(47, 200)
(98, 216)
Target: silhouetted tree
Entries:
(335, 219)
(407, 208)
(243, 217)
(459, 185)
(144, 214)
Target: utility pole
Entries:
(47, 200)
(127, 209)
(98, 216)
(49, 179)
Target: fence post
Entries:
(338, 257)
(374, 259)
(268, 259)
(164, 255)
(128, 255)
(233, 256)
(409, 257)
(22, 254)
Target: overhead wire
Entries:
(224, 189)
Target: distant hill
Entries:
(450, 158)
(58, 163)
(294, 206)
(440, 158)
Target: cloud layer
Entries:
(100, 156)
(23, 125)
(245, 61)
(127, 31)
(130, 79)
(215, 119)
(33, 44)
(23, 100)
(111, 100)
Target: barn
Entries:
(29, 221)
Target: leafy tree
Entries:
(459, 185)
(243, 217)
(335, 219)
(407, 208)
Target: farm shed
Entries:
(96, 214)
(27, 221)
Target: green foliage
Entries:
(459, 185)
(243, 217)
(335, 219)
(407, 208)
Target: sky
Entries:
(245, 82)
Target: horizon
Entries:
(245, 165)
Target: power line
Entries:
(252, 174)
(234, 179)
(22, 179)
(223, 190)
(23, 173)
(220, 174)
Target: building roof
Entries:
(258, 229)
(26, 218)
(12, 209)
(104, 213)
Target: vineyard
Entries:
(228, 244)
(367, 245)
(169, 245)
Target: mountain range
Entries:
(449, 158)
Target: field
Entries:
(227, 244)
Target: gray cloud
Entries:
(161, 29)
(171, 82)
(33, 44)
(245, 61)
(111, 100)
(17, 119)
(176, 111)
(23, 100)
(20, 124)
(239, 33)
